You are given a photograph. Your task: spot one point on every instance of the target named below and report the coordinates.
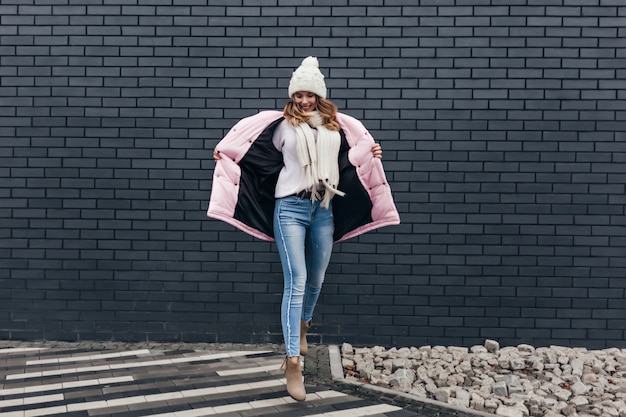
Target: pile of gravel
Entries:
(510, 382)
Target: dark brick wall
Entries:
(502, 123)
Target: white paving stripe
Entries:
(65, 385)
(19, 350)
(88, 357)
(244, 371)
(232, 408)
(129, 365)
(360, 412)
(59, 409)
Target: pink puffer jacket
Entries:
(245, 178)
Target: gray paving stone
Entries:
(176, 377)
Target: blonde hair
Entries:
(326, 108)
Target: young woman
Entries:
(305, 178)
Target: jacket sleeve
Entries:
(371, 176)
(233, 196)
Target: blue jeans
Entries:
(304, 237)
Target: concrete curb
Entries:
(336, 370)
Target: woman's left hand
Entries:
(377, 151)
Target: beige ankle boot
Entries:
(304, 328)
(293, 375)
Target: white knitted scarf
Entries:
(319, 158)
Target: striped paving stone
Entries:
(160, 383)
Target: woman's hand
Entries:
(216, 155)
(377, 151)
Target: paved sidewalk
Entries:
(181, 380)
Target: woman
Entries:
(276, 178)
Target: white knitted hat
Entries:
(308, 77)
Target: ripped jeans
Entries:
(304, 237)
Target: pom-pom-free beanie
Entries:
(308, 77)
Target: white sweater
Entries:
(290, 176)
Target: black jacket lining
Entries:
(259, 173)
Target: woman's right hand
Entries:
(216, 155)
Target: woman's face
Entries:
(305, 100)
